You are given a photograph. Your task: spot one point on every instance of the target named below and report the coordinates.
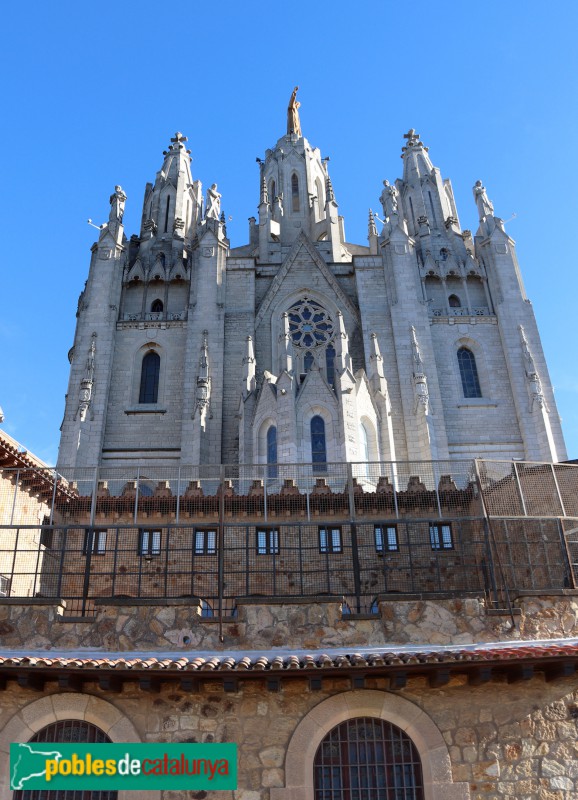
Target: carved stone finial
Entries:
(371, 228)
(293, 121)
(421, 391)
(413, 140)
(264, 191)
(203, 394)
(178, 138)
(329, 193)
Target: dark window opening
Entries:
(68, 732)
(318, 444)
(295, 193)
(149, 378)
(149, 543)
(330, 365)
(386, 540)
(367, 759)
(469, 373)
(94, 542)
(440, 536)
(268, 542)
(454, 301)
(205, 542)
(330, 540)
(167, 213)
(272, 452)
(157, 306)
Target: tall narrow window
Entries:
(469, 373)
(272, 452)
(364, 442)
(330, 364)
(318, 444)
(308, 361)
(167, 212)
(149, 543)
(295, 193)
(272, 191)
(149, 378)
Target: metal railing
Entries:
(354, 531)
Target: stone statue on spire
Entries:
(485, 206)
(293, 122)
(117, 201)
(388, 199)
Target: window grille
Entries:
(68, 732)
(367, 759)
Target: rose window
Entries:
(309, 324)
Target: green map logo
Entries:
(103, 767)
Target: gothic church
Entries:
(301, 347)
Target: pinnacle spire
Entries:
(371, 228)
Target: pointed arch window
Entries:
(469, 373)
(157, 306)
(272, 452)
(294, 193)
(272, 191)
(149, 378)
(367, 757)
(318, 444)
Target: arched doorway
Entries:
(366, 758)
(65, 732)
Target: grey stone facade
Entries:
(300, 328)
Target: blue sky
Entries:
(92, 94)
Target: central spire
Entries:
(293, 121)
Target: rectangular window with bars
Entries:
(149, 542)
(386, 540)
(94, 542)
(4, 586)
(330, 540)
(440, 536)
(267, 542)
(205, 542)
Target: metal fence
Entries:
(354, 531)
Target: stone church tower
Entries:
(300, 346)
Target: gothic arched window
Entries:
(149, 378)
(367, 758)
(454, 301)
(272, 452)
(294, 193)
(157, 306)
(69, 731)
(469, 373)
(318, 444)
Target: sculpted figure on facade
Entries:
(86, 384)
(534, 383)
(389, 199)
(293, 121)
(213, 203)
(117, 203)
(485, 206)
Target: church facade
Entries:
(300, 347)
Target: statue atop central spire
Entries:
(293, 122)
